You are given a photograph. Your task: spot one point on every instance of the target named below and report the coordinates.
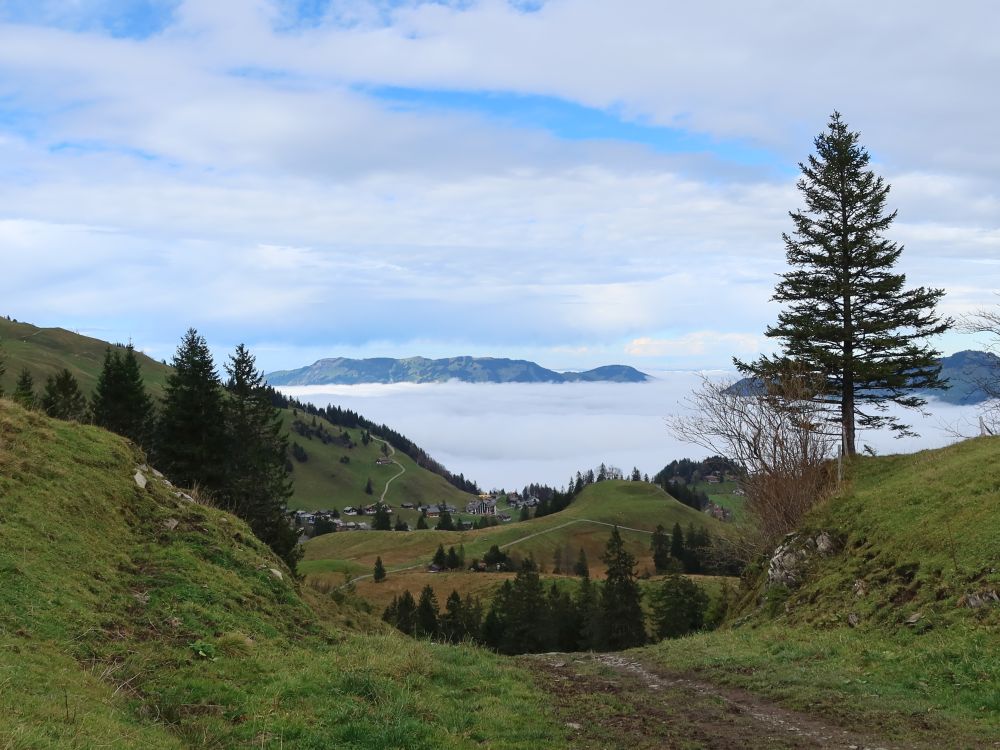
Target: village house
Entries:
(482, 507)
(383, 460)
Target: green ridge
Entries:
(131, 618)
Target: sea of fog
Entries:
(508, 435)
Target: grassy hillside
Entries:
(45, 351)
(897, 629)
(636, 507)
(132, 618)
(324, 481)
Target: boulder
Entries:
(276, 573)
(789, 561)
(140, 480)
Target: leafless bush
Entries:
(781, 438)
(987, 322)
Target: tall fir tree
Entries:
(660, 547)
(382, 521)
(62, 397)
(378, 574)
(621, 599)
(190, 437)
(848, 318)
(24, 390)
(580, 567)
(426, 617)
(256, 484)
(120, 402)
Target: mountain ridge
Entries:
(347, 371)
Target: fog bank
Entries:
(507, 435)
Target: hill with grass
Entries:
(134, 617)
(883, 611)
(46, 351)
(338, 465)
(635, 507)
(344, 371)
(323, 481)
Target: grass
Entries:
(323, 482)
(46, 351)
(633, 504)
(916, 535)
(120, 628)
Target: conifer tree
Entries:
(191, 429)
(527, 621)
(368, 486)
(422, 521)
(848, 320)
(679, 607)
(452, 560)
(661, 549)
(677, 543)
(426, 619)
(440, 558)
(62, 397)
(120, 402)
(401, 525)
(24, 390)
(445, 523)
(581, 568)
(256, 485)
(378, 574)
(590, 635)
(621, 608)
(453, 621)
(382, 520)
(406, 613)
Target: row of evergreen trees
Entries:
(527, 617)
(223, 439)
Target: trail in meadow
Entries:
(615, 701)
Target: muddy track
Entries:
(615, 701)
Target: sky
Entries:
(577, 182)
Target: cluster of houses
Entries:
(367, 510)
(717, 511)
(307, 521)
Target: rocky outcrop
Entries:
(788, 564)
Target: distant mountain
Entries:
(966, 372)
(342, 371)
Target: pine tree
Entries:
(679, 607)
(120, 402)
(580, 567)
(382, 520)
(255, 482)
(525, 513)
(848, 319)
(557, 560)
(677, 544)
(452, 560)
(191, 429)
(401, 525)
(378, 574)
(661, 549)
(426, 620)
(62, 397)
(445, 523)
(590, 635)
(422, 522)
(527, 625)
(368, 486)
(406, 613)
(453, 621)
(440, 558)
(24, 391)
(621, 599)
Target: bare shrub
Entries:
(987, 322)
(779, 434)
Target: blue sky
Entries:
(573, 181)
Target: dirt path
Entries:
(615, 701)
(402, 469)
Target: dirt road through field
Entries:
(615, 701)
